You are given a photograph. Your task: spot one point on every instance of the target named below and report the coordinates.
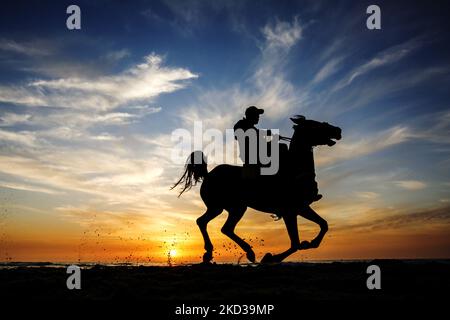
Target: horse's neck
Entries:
(302, 158)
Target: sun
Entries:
(172, 252)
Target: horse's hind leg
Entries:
(202, 223)
(234, 216)
(310, 214)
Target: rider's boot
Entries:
(315, 196)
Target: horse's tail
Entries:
(195, 171)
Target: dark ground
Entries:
(339, 281)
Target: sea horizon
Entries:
(63, 264)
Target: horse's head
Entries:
(313, 133)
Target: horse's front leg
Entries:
(310, 214)
(290, 220)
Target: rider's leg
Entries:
(316, 196)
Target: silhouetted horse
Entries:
(283, 194)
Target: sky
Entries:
(87, 116)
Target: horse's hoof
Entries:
(314, 244)
(268, 258)
(251, 256)
(304, 245)
(207, 257)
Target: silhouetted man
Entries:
(248, 137)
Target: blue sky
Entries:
(86, 116)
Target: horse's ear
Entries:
(298, 119)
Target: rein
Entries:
(285, 138)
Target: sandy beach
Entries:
(336, 281)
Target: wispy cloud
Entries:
(369, 195)
(435, 128)
(354, 147)
(26, 138)
(25, 48)
(401, 219)
(109, 179)
(282, 34)
(10, 119)
(268, 85)
(27, 187)
(412, 185)
(327, 70)
(187, 17)
(142, 82)
(116, 55)
(75, 146)
(383, 58)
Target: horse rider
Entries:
(248, 137)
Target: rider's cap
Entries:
(253, 111)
